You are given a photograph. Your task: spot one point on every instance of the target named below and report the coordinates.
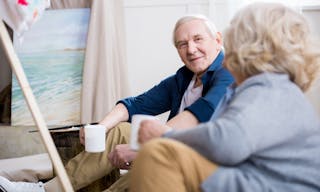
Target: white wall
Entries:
(313, 16)
(151, 55)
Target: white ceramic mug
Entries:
(95, 136)
(135, 125)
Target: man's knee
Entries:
(121, 131)
(123, 125)
(123, 128)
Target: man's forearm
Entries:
(183, 120)
(118, 114)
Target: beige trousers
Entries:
(83, 169)
(86, 168)
(168, 165)
(121, 185)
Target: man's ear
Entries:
(219, 38)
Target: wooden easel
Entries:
(34, 109)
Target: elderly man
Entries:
(191, 95)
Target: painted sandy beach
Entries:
(53, 62)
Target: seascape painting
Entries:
(52, 55)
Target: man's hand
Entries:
(150, 129)
(82, 134)
(122, 156)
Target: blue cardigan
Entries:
(167, 95)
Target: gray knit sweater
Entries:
(265, 137)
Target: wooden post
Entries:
(34, 109)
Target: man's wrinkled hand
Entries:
(122, 156)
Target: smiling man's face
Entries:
(197, 48)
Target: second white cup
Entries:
(135, 125)
(95, 136)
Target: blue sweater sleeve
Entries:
(155, 101)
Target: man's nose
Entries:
(192, 47)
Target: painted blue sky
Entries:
(56, 30)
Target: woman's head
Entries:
(269, 37)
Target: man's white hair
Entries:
(208, 23)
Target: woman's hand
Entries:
(150, 129)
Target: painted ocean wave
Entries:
(56, 79)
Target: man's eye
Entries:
(198, 39)
(182, 45)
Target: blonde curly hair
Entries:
(270, 37)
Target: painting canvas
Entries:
(52, 55)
